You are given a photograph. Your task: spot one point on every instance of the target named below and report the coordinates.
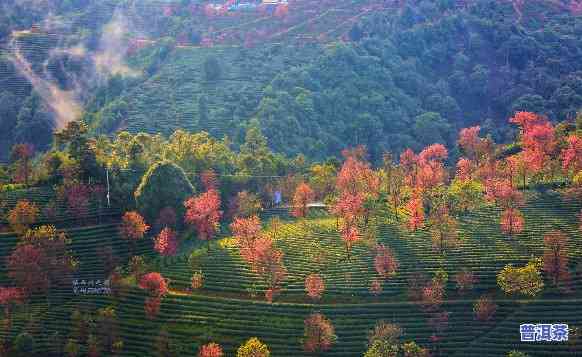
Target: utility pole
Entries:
(107, 175)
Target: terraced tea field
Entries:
(230, 307)
(179, 95)
(44, 196)
(173, 96)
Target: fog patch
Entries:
(110, 58)
(96, 67)
(63, 104)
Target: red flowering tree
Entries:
(385, 262)
(203, 212)
(10, 297)
(154, 284)
(210, 350)
(504, 193)
(488, 168)
(479, 161)
(384, 334)
(484, 308)
(572, 155)
(157, 287)
(556, 257)
(77, 197)
(465, 280)
(357, 178)
(166, 242)
(319, 334)
(518, 166)
(133, 228)
(355, 174)
(302, 197)
(415, 213)
(350, 235)
(258, 251)
(432, 296)
(430, 172)
(508, 198)
(429, 176)
(470, 143)
(433, 291)
(314, 286)
(425, 170)
(269, 265)
(22, 216)
(349, 207)
(376, 287)
(152, 307)
(246, 231)
(443, 229)
(25, 267)
(526, 120)
(59, 262)
(512, 221)
(464, 169)
(537, 137)
(21, 155)
(41, 261)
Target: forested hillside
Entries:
(316, 76)
(417, 78)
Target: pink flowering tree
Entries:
(314, 286)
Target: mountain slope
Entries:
(319, 76)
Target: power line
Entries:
(191, 173)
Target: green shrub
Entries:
(24, 344)
(11, 187)
(212, 68)
(164, 185)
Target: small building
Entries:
(215, 6)
(35, 29)
(274, 2)
(243, 6)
